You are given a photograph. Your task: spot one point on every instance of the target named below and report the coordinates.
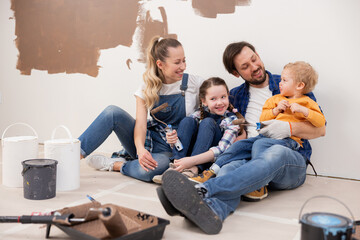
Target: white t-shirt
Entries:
(258, 96)
(191, 94)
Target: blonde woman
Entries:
(144, 141)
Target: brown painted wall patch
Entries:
(67, 35)
(210, 8)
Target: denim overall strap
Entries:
(184, 84)
(172, 114)
(216, 117)
(175, 111)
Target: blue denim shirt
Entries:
(239, 98)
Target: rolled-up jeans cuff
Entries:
(121, 169)
(83, 153)
(209, 203)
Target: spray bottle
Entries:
(178, 144)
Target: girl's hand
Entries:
(146, 161)
(171, 137)
(183, 163)
(242, 136)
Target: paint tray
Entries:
(139, 225)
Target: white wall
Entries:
(325, 33)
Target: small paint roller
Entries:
(158, 109)
(113, 222)
(242, 122)
(81, 211)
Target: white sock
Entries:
(215, 168)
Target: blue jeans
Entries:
(243, 149)
(201, 136)
(116, 119)
(279, 166)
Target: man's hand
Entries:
(276, 129)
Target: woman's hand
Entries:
(183, 163)
(171, 137)
(146, 161)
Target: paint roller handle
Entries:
(36, 219)
(178, 144)
(324, 196)
(19, 123)
(8, 219)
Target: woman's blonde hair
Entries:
(153, 76)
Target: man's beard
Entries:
(258, 82)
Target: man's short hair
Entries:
(230, 53)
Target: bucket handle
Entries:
(324, 196)
(24, 170)
(66, 130)
(19, 123)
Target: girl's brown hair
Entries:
(214, 81)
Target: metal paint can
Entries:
(327, 226)
(39, 178)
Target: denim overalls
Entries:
(172, 114)
(115, 119)
(156, 135)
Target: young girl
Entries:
(291, 105)
(145, 141)
(206, 133)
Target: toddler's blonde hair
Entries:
(303, 72)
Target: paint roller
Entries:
(117, 224)
(242, 123)
(158, 109)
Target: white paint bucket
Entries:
(14, 151)
(67, 153)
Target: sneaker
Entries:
(188, 173)
(204, 176)
(158, 178)
(169, 208)
(184, 197)
(102, 163)
(256, 195)
(201, 191)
